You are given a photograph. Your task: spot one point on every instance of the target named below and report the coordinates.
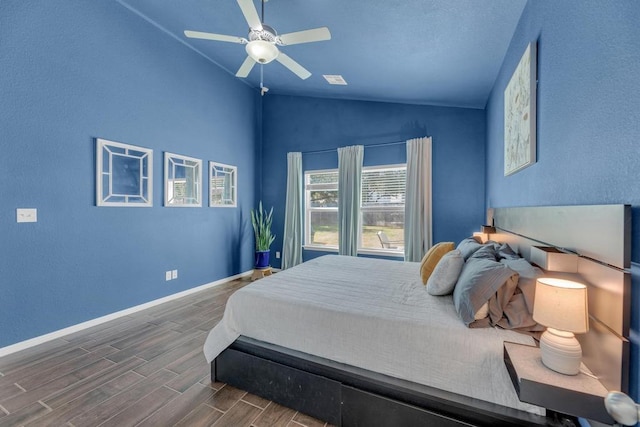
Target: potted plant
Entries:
(261, 221)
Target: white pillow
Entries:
(445, 275)
(482, 312)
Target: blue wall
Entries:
(588, 117)
(310, 124)
(74, 71)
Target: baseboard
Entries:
(22, 345)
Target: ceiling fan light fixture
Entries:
(262, 51)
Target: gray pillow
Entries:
(445, 275)
(486, 252)
(479, 280)
(527, 280)
(468, 246)
(505, 251)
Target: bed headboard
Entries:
(601, 236)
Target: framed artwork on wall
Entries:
(124, 174)
(223, 185)
(520, 114)
(182, 181)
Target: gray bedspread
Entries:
(373, 314)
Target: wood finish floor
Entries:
(145, 369)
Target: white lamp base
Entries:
(561, 351)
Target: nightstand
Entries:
(578, 395)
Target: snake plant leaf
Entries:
(261, 222)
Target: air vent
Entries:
(334, 79)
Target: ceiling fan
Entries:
(263, 41)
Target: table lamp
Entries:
(561, 306)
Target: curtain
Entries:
(417, 208)
(349, 189)
(292, 238)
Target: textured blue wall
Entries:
(74, 71)
(588, 116)
(309, 124)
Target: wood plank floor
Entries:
(145, 369)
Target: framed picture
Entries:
(223, 185)
(124, 174)
(182, 181)
(520, 114)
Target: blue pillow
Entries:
(479, 280)
(505, 251)
(527, 280)
(486, 252)
(468, 246)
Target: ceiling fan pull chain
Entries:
(263, 88)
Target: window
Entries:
(381, 209)
(321, 202)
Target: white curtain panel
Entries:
(417, 207)
(292, 239)
(349, 189)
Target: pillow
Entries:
(486, 252)
(479, 280)
(505, 251)
(445, 275)
(468, 246)
(527, 281)
(432, 257)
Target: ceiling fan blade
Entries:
(246, 67)
(212, 36)
(306, 36)
(296, 68)
(250, 14)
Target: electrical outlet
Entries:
(167, 275)
(278, 255)
(174, 274)
(26, 215)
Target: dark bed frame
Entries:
(345, 395)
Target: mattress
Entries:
(376, 315)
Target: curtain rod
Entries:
(330, 150)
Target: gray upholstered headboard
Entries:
(601, 236)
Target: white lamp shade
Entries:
(262, 51)
(561, 304)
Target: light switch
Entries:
(26, 215)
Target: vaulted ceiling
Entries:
(438, 52)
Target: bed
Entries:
(356, 341)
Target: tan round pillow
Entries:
(432, 257)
